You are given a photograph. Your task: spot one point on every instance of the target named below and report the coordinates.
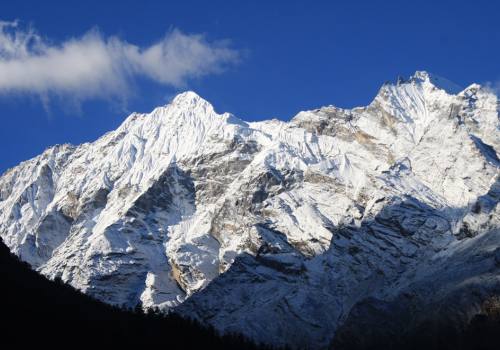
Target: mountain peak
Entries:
(186, 95)
(190, 99)
(423, 77)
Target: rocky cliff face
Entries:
(279, 230)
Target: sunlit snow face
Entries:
(182, 204)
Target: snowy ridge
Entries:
(274, 229)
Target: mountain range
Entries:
(301, 233)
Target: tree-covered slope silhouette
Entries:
(35, 309)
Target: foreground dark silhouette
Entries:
(37, 310)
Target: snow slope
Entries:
(274, 229)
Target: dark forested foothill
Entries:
(37, 310)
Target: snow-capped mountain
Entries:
(278, 230)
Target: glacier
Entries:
(277, 230)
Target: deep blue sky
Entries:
(297, 55)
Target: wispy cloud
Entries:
(96, 67)
(493, 86)
(496, 87)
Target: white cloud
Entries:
(496, 87)
(492, 86)
(92, 66)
